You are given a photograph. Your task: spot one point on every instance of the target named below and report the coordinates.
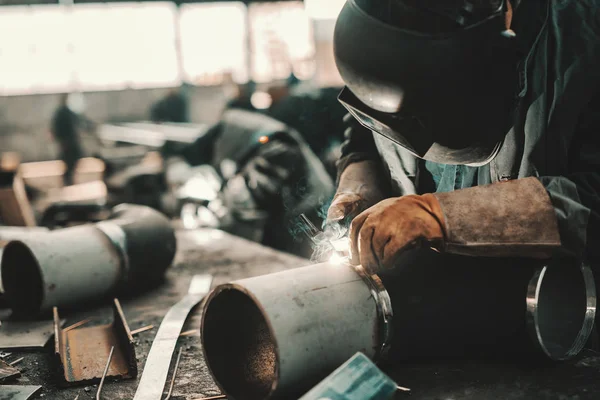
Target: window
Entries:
(34, 52)
(281, 41)
(59, 48)
(214, 42)
(119, 45)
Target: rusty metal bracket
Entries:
(81, 353)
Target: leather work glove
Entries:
(508, 219)
(359, 188)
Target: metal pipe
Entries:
(272, 333)
(69, 266)
(274, 336)
(8, 233)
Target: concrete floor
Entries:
(229, 258)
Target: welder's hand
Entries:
(380, 234)
(274, 165)
(359, 188)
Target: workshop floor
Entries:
(226, 258)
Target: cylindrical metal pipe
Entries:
(8, 233)
(273, 336)
(68, 266)
(271, 333)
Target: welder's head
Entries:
(437, 77)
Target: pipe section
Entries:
(8, 233)
(68, 266)
(273, 336)
(266, 335)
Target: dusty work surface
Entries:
(227, 258)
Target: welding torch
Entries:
(335, 236)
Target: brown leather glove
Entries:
(508, 219)
(380, 234)
(360, 187)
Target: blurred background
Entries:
(124, 56)
(216, 113)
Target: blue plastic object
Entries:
(356, 379)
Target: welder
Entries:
(66, 124)
(474, 128)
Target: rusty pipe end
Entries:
(22, 279)
(561, 308)
(239, 344)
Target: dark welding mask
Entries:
(445, 97)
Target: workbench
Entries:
(228, 258)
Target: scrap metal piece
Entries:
(98, 393)
(18, 392)
(77, 324)
(79, 352)
(18, 360)
(142, 329)
(26, 335)
(174, 374)
(157, 364)
(8, 372)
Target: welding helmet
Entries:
(445, 97)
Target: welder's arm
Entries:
(508, 219)
(360, 181)
(535, 217)
(358, 146)
(576, 196)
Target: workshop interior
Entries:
(299, 199)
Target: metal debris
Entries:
(112, 349)
(142, 329)
(174, 374)
(8, 373)
(191, 332)
(76, 325)
(26, 335)
(156, 369)
(14, 392)
(18, 360)
(79, 352)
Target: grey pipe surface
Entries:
(266, 335)
(273, 336)
(8, 233)
(68, 266)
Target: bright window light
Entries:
(102, 46)
(323, 9)
(281, 41)
(120, 45)
(214, 42)
(34, 55)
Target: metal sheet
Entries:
(157, 364)
(13, 392)
(26, 335)
(82, 353)
(8, 372)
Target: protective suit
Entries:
(282, 173)
(536, 193)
